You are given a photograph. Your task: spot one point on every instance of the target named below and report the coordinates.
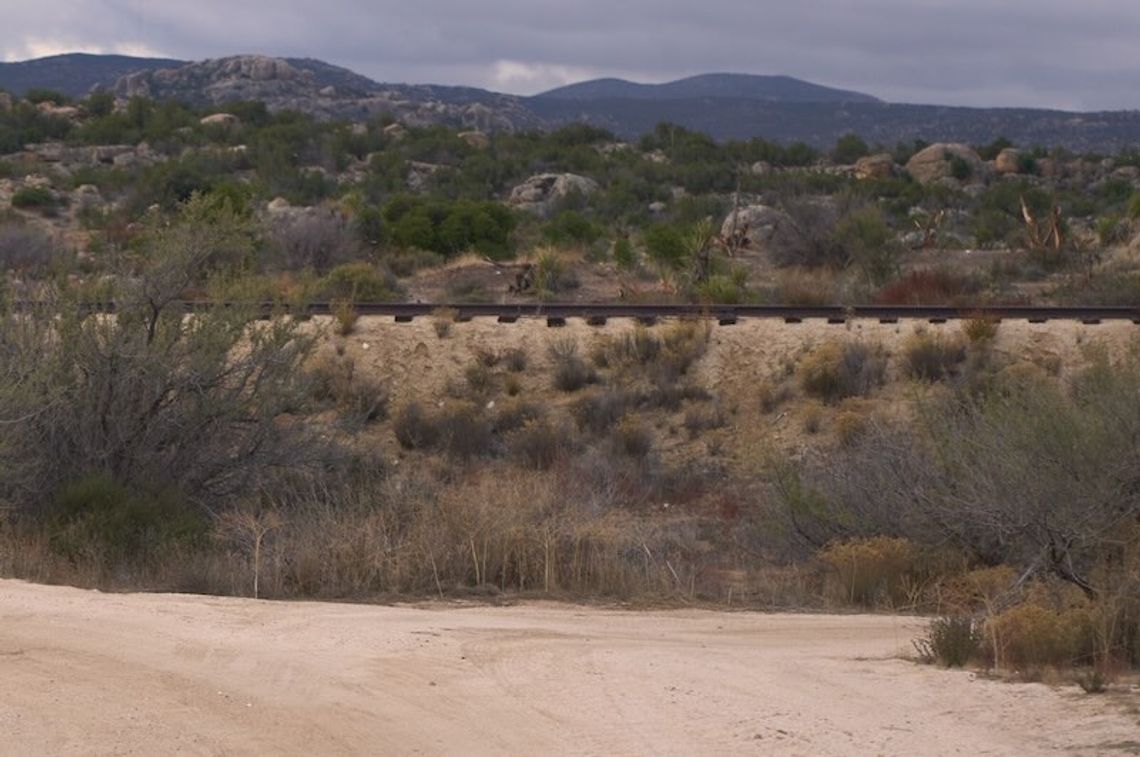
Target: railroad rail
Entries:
(558, 313)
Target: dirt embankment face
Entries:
(88, 673)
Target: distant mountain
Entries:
(783, 89)
(725, 106)
(821, 124)
(74, 74)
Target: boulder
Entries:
(1127, 173)
(221, 119)
(657, 208)
(753, 226)
(540, 194)
(476, 139)
(86, 197)
(278, 206)
(395, 132)
(1008, 161)
(1050, 168)
(938, 163)
(880, 166)
(761, 168)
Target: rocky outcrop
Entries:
(881, 166)
(476, 139)
(542, 193)
(1008, 161)
(754, 226)
(946, 162)
(326, 92)
(221, 119)
(5, 102)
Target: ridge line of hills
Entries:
(723, 105)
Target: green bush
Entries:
(97, 519)
(624, 255)
(358, 282)
(27, 198)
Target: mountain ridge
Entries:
(724, 106)
(767, 88)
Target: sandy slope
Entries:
(82, 672)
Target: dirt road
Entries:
(88, 673)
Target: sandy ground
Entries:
(89, 673)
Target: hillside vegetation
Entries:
(982, 471)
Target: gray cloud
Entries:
(1052, 53)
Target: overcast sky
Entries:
(1075, 54)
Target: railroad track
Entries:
(558, 313)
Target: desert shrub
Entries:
(359, 282)
(571, 372)
(639, 347)
(850, 425)
(1112, 229)
(515, 359)
(27, 198)
(415, 428)
(513, 415)
(441, 320)
(811, 418)
(951, 641)
(463, 432)
(552, 274)
(318, 240)
(404, 263)
(704, 418)
(927, 287)
(980, 329)
(771, 394)
(834, 371)
(27, 250)
(359, 399)
(723, 290)
(155, 401)
(683, 344)
(969, 592)
(872, 571)
(632, 438)
(869, 243)
(599, 410)
(671, 396)
(624, 254)
(932, 357)
(1030, 636)
(486, 357)
(480, 379)
(539, 444)
(345, 316)
(799, 287)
